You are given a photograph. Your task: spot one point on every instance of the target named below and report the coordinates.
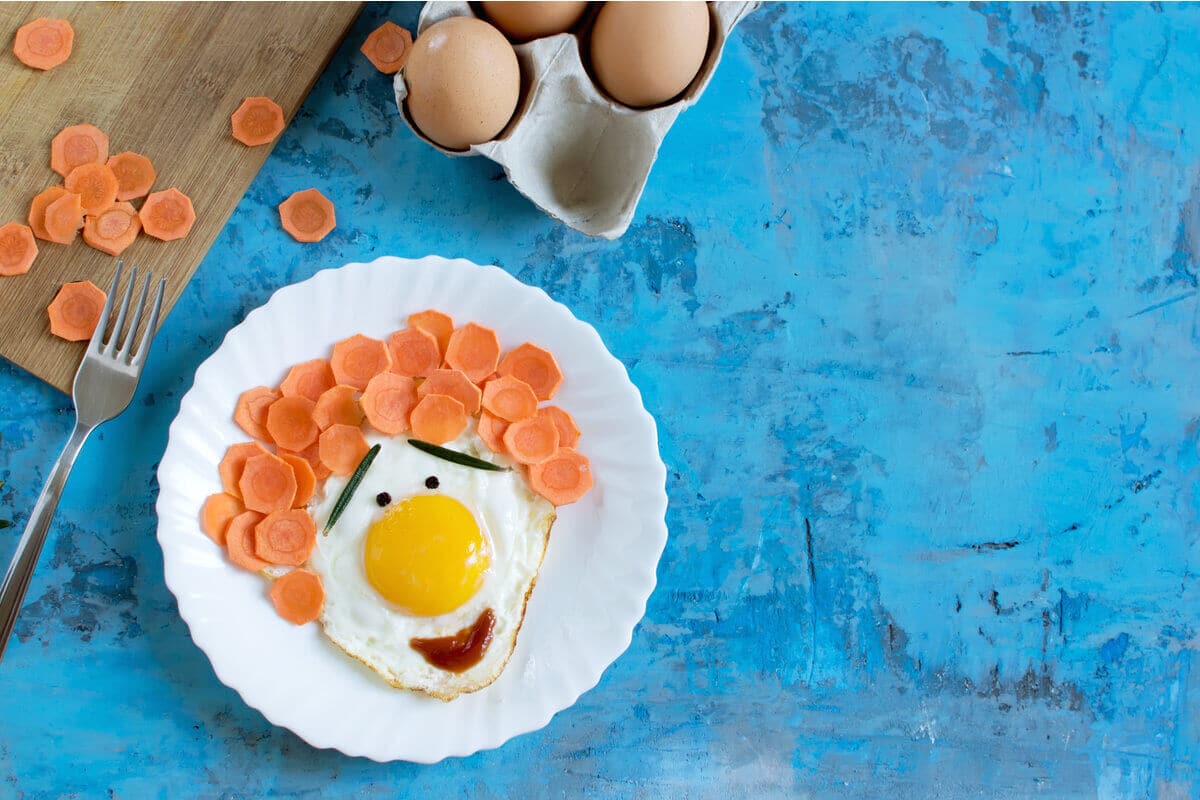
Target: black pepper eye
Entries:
(383, 498)
(431, 482)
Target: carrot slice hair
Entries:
(473, 349)
(112, 230)
(234, 461)
(311, 454)
(239, 541)
(531, 441)
(306, 479)
(44, 43)
(95, 184)
(455, 383)
(75, 311)
(415, 352)
(510, 399)
(308, 216)
(358, 359)
(251, 411)
(64, 218)
(134, 172)
(568, 431)
(342, 447)
(338, 404)
(491, 429)
(563, 478)
(216, 513)
(388, 47)
(388, 401)
(17, 249)
(535, 366)
(258, 120)
(267, 484)
(37, 210)
(75, 145)
(438, 418)
(309, 379)
(298, 596)
(435, 322)
(167, 215)
(290, 423)
(286, 537)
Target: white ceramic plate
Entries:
(599, 568)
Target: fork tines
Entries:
(125, 353)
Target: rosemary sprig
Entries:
(455, 457)
(350, 487)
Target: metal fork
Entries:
(103, 388)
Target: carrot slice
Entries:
(435, 322)
(306, 479)
(258, 120)
(491, 429)
(388, 401)
(64, 218)
(75, 145)
(216, 514)
(44, 43)
(75, 311)
(388, 47)
(510, 399)
(473, 349)
(239, 541)
(311, 454)
(298, 596)
(535, 366)
(358, 359)
(290, 423)
(286, 537)
(454, 383)
(563, 478)
(308, 216)
(95, 184)
(134, 172)
(37, 210)
(338, 405)
(17, 249)
(531, 441)
(438, 418)
(251, 411)
(112, 230)
(234, 462)
(309, 379)
(342, 447)
(415, 352)
(167, 215)
(568, 431)
(267, 484)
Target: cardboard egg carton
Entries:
(578, 155)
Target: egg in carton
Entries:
(577, 154)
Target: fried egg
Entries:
(424, 548)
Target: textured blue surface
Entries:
(913, 296)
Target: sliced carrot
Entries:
(438, 418)
(112, 230)
(64, 218)
(535, 366)
(17, 249)
(239, 541)
(388, 47)
(75, 145)
(167, 215)
(306, 479)
(338, 404)
(75, 311)
(309, 379)
(510, 399)
(455, 383)
(298, 596)
(563, 478)
(415, 352)
(491, 429)
(568, 431)
(342, 447)
(473, 349)
(290, 423)
(95, 184)
(216, 514)
(234, 462)
(37, 210)
(311, 454)
(258, 120)
(435, 322)
(531, 441)
(388, 401)
(358, 359)
(308, 216)
(267, 484)
(286, 537)
(251, 411)
(134, 172)
(44, 43)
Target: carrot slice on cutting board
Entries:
(95, 184)
(473, 349)
(308, 216)
(167, 215)
(342, 447)
(17, 249)
(217, 512)
(338, 405)
(438, 418)
(415, 353)
(75, 145)
(239, 541)
(112, 230)
(388, 47)
(135, 174)
(267, 484)
(286, 537)
(388, 401)
(455, 383)
(535, 366)
(251, 411)
(510, 399)
(298, 596)
(563, 478)
(258, 120)
(44, 43)
(309, 379)
(435, 322)
(491, 429)
(306, 479)
(37, 210)
(290, 423)
(234, 461)
(568, 431)
(358, 359)
(75, 311)
(64, 218)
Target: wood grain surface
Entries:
(160, 79)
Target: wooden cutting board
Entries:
(160, 79)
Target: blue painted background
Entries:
(913, 296)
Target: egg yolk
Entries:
(427, 555)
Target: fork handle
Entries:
(20, 571)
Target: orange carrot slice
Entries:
(113, 230)
(251, 411)
(290, 423)
(531, 441)
(342, 447)
(473, 349)
(167, 215)
(239, 541)
(298, 596)
(563, 478)
(37, 210)
(306, 479)
(311, 454)
(134, 172)
(491, 429)
(415, 352)
(267, 484)
(388, 47)
(535, 366)
(454, 383)
(435, 322)
(95, 184)
(438, 418)
(358, 359)
(338, 405)
(234, 461)
(510, 399)
(75, 145)
(216, 514)
(75, 311)
(64, 218)
(308, 216)
(388, 401)
(258, 120)
(309, 379)
(568, 431)
(44, 43)
(17, 249)
(286, 537)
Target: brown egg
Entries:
(644, 54)
(463, 82)
(523, 21)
